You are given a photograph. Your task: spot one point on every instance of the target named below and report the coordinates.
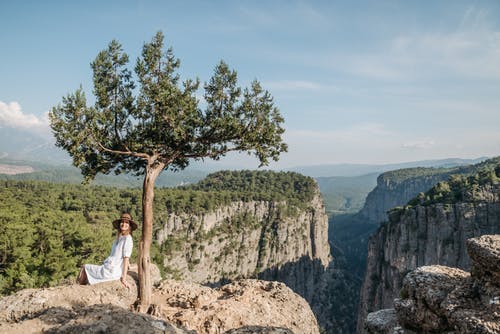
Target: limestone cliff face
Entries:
(396, 188)
(424, 235)
(264, 239)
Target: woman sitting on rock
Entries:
(116, 265)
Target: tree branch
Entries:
(213, 154)
(128, 152)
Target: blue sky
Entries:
(356, 81)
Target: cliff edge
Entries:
(439, 299)
(246, 306)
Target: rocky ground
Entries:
(242, 307)
(438, 299)
(235, 305)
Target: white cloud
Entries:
(419, 144)
(467, 54)
(298, 85)
(12, 116)
(298, 14)
(470, 51)
(474, 17)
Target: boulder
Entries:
(439, 299)
(485, 254)
(424, 290)
(271, 306)
(381, 322)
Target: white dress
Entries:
(112, 267)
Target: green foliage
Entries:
(296, 189)
(458, 188)
(50, 229)
(396, 177)
(400, 175)
(157, 122)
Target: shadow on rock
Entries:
(104, 318)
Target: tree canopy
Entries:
(159, 116)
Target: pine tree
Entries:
(162, 126)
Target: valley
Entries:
(233, 225)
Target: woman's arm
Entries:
(123, 278)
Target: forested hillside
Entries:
(262, 186)
(397, 187)
(51, 229)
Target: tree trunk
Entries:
(143, 260)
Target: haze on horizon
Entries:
(357, 82)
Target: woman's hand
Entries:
(124, 282)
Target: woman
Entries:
(116, 265)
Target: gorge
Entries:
(430, 230)
(257, 225)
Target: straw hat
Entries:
(127, 217)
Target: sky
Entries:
(356, 81)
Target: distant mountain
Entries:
(68, 174)
(364, 169)
(23, 151)
(345, 191)
(346, 194)
(17, 144)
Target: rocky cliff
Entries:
(396, 188)
(256, 235)
(432, 230)
(439, 299)
(270, 240)
(266, 239)
(246, 306)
